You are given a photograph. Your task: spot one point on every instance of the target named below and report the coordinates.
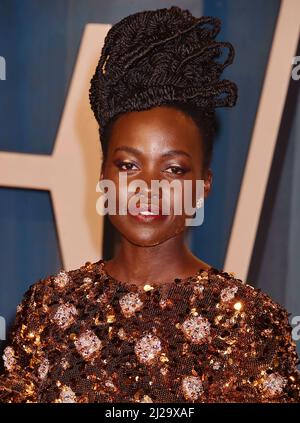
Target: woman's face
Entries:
(157, 144)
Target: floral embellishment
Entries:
(192, 387)
(216, 365)
(196, 329)
(130, 303)
(228, 293)
(110, 385)
(62, 279)
(9, 358)
(67, 395)
(147, 348)
(146, 398)
(87, 280)
(43, 369)
(122, 334)
(88, 344)
(274, 384)
(198, 290)
(65, 315)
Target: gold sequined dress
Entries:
(83, 336)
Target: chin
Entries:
(147, 235)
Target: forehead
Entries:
(156, 128)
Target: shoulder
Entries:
(63, 281)
(44, 297)
(243, 295)
(262, 322)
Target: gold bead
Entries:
(218, 319)
(238, 306)
(146, 398)
(110, 318)
(148, 287)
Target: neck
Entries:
(160, 263)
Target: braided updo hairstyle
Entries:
(162, 57)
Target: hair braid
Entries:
(162, 57)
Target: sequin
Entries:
(61, 279)
(19, 308)
(216, 365)
(130, 303)
(192, 387)
(9, 358)
(122, 333)
(146, 398)
(43, 369)
(238, 306)
(109, 384)
(274, 383)
(228, 293)
(163, 303)
(67, 395)
(64, 363)
(148, 287)
(65, 315)
(164, 370)
(147, 348)
(184, 344)
(198, 290)
(196, 329)
(88, 344)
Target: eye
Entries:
(177, 170)
(126, 165)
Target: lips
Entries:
(144, 214)
(147, 210)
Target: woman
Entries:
(154, 323)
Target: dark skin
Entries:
(146, 248)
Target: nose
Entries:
(146, 189)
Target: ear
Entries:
(207, 182)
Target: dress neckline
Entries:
(157, 286)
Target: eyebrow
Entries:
(169, 153)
